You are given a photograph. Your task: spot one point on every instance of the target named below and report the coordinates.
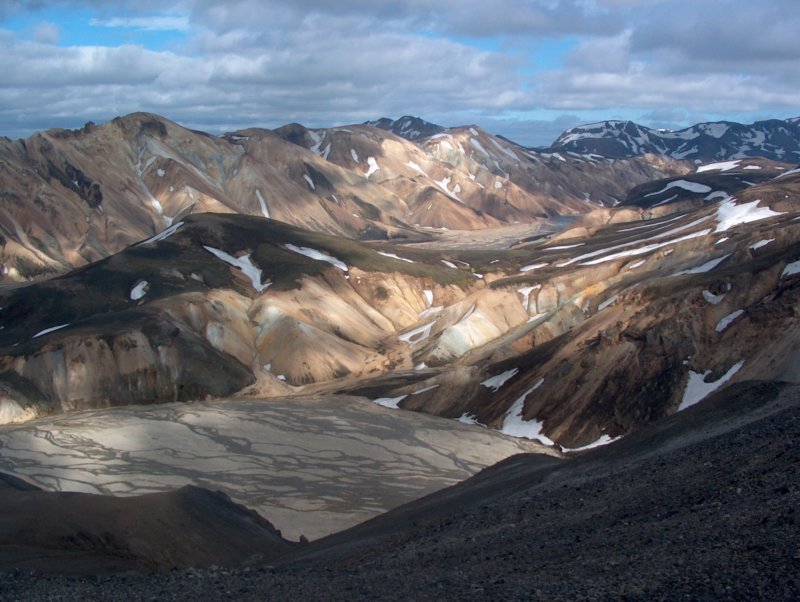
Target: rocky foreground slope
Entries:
(702, 505)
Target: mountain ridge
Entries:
(774, 139)
(75, 196)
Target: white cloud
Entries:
(254, 62)
(151, 23)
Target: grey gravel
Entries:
(704, 506)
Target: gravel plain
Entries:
(704, 505)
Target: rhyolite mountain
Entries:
(575, 336)
(298, 260)
(774, 139)
(68, 198)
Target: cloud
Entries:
(46, 33)
(151, 23)
(268, 62)
(722, 32)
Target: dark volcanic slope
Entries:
(704, 505)
(89, 534)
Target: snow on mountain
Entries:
(774, 139)
(408, 127)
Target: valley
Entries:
(328, 325)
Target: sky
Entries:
(525, 69)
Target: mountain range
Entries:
(773, 139)
(561, 298)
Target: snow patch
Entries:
(729, 214)
(637, 264)
(495, 382)
(478, 146)
(373, 166)
(685, 184)
(418, 334)
(562, 247)
(318, 255)
(722, 166)
(761, 243)
(788, 173)
(610, 301)
(516, 426)
(533, 266)
(262, 202)
(390, 402)
(425, 389)
(428, 297)
(698, 389)
(393, 256)
(631, 252)
(139, 290)
(526, 295)
(417, 168)
(706, 267)
(791, 269)
(728, 320)
(467, 418)
(354, 154)
(443, 184)
(712, 298)
(163, 234)
(245, 264)
(48, 330)
(310, 182)
(601, 441)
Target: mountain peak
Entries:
(408, 127)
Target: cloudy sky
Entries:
(526, 69)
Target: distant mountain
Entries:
(408, 127)
(775, 139)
